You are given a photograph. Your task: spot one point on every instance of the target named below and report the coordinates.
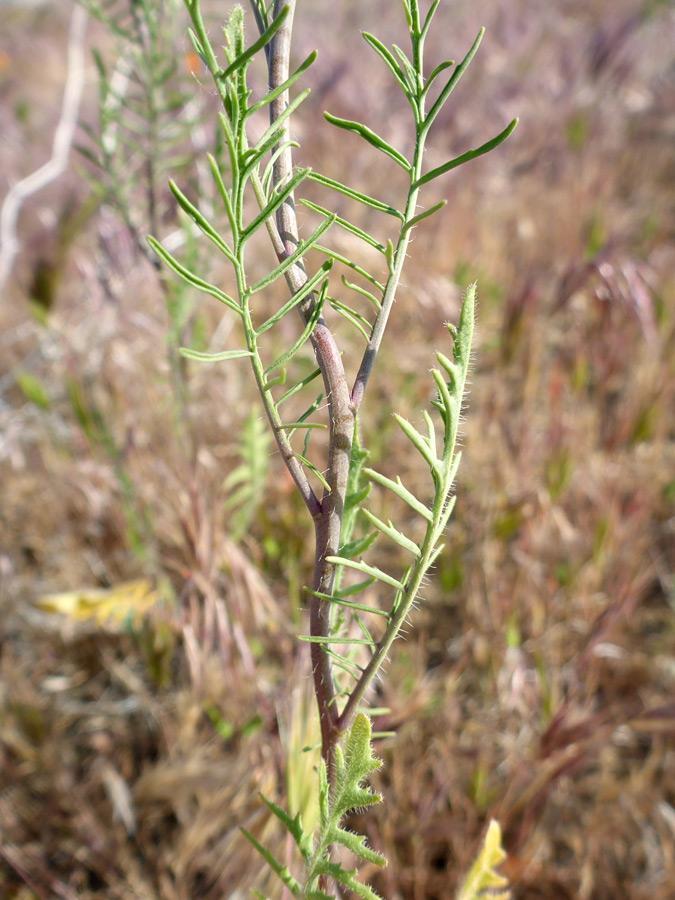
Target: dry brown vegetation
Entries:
(537, 683)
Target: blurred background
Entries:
(152, 549)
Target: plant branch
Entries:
(340, 410)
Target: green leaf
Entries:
(278, 91)
(423, 215)
(362, 291)
(281, 871)
(393, 533)
(213, 357)
(200, 221)
(278, 198)
(466, 157)
(349, 604)
(290, 260)
(354, 318)
(397, 488)
(387, 57)
(317, 639)
(270, 137)
(347, 226)
(429, 17)
(293, 826)
(297, 387)
(32, 388)
(452, 83)
(366, 569)
(418, 441)
(332, 254)
(482, 880)
(191, 278)
(441, 67)
(297, 298)
(313, 468)
(354, 195)
(373, 139)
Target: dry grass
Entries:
(538, 684)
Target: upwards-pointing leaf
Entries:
(290, 260)
(393, 533)
(355, 195)
(396, 487)
(373, 139)
(191, 278)
(465, 157)
(360, 566)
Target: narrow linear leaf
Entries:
(268, 174)
(281, 871)
(466, 157)
(295, 425)
(393, 534)
(297, 298)
(354, 318)
(278, 198)
(213, 357)
(297, 387)
(332, 254)
(423, 215)
(418, 441)
(345, 664)
(290, 260)
(441, 67)
(191, 278)
(312, 468)
(362, 291)
(317, 639)
(349, 604)
(222, 190)
(292, 825)
(408, 68)
(429, 17)
(366, 569)
(199, 220)
(278, 91)
(343, 223)
(397, 488)
(307, 330)
(452, 82)
(253, 156)
(373, 139)
(350, 549)
(340, 188)
(354, 589)
(387, 57)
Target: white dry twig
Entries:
(63, 138)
